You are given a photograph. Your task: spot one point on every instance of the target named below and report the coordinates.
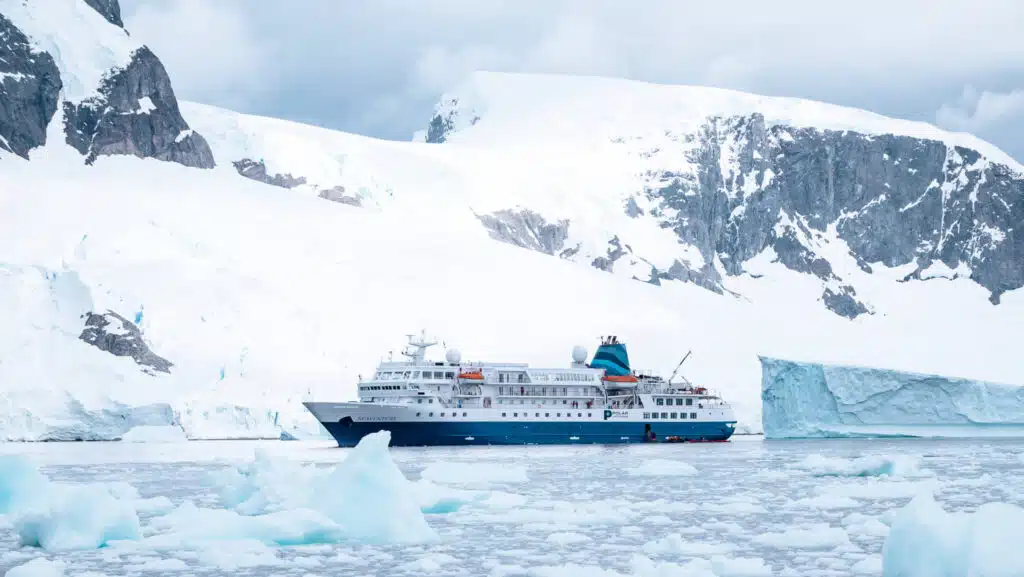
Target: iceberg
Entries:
(805, 400)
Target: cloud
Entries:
(378, 67)
(977, 112)
(208, 48)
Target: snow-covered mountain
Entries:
(730, 176)
(170, 289)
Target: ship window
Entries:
(682, 415)
(647, 415)
(558, 414)
(442, 414)
(689, 402)
(664, 415)
(430, 414)
(693, 415)
(501, 377)
(674, 415)
(449, 375)
(463, 414)
(536, 414)
(579, 414)
(565, 391)
(660, 401)
(679, 401)
(547, 414)
(419, 400)
(565, 402)
(418, 414)
(588, 414)
(654, 415)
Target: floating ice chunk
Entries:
(77, 517)
(474, 473)
(925, 540)
(861, 525)
(564, 538)
(364, 498)
(38, 567)
(674, 544)
(154, 434)
(816, 536)
(827, 502)
(739, 567)
(430, 563)
(60, 516)
(189, 524)
(659, 467)
(21, 483)
(873, 466)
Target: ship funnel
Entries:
(612, 357)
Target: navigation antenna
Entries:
(417, 347)
(677, 369)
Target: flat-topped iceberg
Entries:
(802, 400)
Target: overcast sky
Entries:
(377, 67)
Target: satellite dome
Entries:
(453, 356)
(579, 354)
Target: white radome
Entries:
(453, 356)
(579, 354)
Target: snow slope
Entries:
(813, 400)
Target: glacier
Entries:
(801, 400)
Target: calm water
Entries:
(747, 507)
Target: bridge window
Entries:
(693, 415)
(659, 401)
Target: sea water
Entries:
(748, 507)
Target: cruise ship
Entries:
(451, 402)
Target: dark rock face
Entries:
(444, 121)
(337, 194)
(526, 229)
(109, 9)
(135, 113)
(29, 85)
(118, 336)
(250, 168)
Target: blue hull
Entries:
(428, 434)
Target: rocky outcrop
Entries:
(118, 336)
(337, 194)
(29, 87)
(526, 229)
(135, 113)
(109, 9)
(257, 170)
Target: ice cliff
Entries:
(815, 400)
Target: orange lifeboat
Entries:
(472, 375)
(620, 379)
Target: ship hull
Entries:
(428, 434)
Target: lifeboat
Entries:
(620, 379)
(472, 375)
